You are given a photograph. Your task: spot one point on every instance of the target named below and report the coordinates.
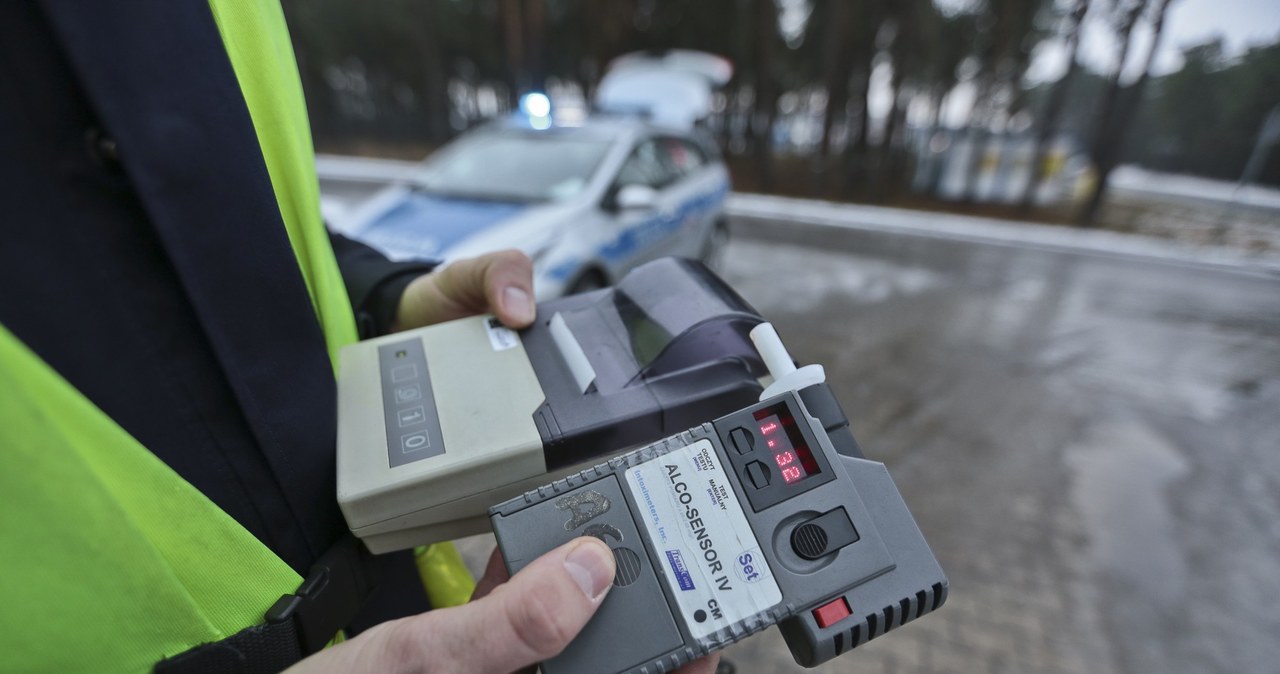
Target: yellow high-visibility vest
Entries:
(109, 560)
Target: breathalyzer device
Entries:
(769, 515)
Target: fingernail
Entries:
(518, 303)
(591, 567)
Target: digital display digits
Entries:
(793, 457)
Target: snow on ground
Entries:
(1171, 186)
(995, 231)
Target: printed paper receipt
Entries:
(710, 557)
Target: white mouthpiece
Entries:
(785, 375)
(771, 350)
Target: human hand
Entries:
(501, 283)
(508, 626)
(496, 574)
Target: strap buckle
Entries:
(329, 597)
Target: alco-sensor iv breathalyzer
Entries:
(436, 425)
(767, 515)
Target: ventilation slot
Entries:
(926, 600)
(855, 636)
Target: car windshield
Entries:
(515, 167)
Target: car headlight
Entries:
(539, 252)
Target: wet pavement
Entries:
(1091, 445)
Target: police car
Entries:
(587, 201)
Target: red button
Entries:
(832, 612)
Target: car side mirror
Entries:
(636, 198)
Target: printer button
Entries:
(758, 474)
(742, 440)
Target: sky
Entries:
(1239, 22)
(1188, 22)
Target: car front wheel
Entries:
(590, 280)
(712, 253)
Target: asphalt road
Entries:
(1089, 443)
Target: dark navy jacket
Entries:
(143, 256)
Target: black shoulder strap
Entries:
(297, 625)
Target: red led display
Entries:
(792, 455)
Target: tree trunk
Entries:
(513, 41)
(1053, 107)
(889, 145)
(435, 97)
(837, 61)
(1110, 126)
(976, 126)
(857, 148)
(535, 25)
(766, 92)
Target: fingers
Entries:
(705, 665)
(507, 280)
(501, 283)
(530, 618)
(508, 627)
(495, 574)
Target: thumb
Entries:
(526, 620)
